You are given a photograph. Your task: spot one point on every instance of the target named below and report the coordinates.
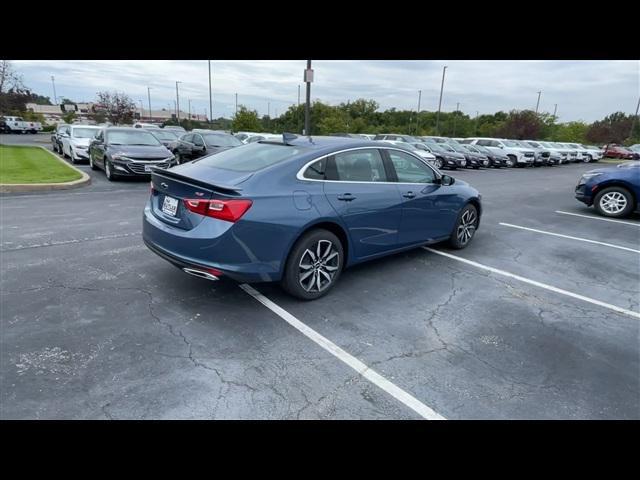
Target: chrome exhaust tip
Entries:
(200, 273)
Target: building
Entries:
(53, 113)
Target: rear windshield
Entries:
(221, 140)
(251, 157)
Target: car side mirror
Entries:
(446, 180)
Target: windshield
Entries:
(470, 148)
(457, 148)
(557, 145)
(222, 140)
(534, 144)
(160, 135)
(131, 137)
(573, 145)
(85, 132)
(511, 143)
(251, 157)
(446, 147)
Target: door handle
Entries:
(346, 197)
(409, 195)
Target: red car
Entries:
(618, 151)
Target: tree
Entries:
(245, 120)
(521, 125)
(574, 132)
(69, 117)
(614, 128)
(9, 78)
(118, 107)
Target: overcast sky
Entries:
(583, 90)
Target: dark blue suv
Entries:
(612, 191)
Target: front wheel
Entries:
(314, 265)
(586, 159)
(465, 227)
(108, 171)
(614, 202)
(439, 163)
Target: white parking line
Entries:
(599, 218)
(374, 377)
(570, 237)
(537, 284)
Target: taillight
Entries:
(229, 210)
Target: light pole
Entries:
(236, 104)
(298, 95)
(440, 102)
(477, 113)
(55, 97)
(141, 110)
(189, 100)
(418, 115)
(555, 109)
(177, 102)
(308, 78)
(269, 109)
(455, 116)
(149, 99)
(210, 94)
(538, 103)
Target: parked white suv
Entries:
(521, 156)
(75, 141)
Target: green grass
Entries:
(32, 165)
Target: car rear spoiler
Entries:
(222, 188)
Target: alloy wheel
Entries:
(467, 226)
(613, 202)
(318, 266)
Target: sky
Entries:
(583, 90)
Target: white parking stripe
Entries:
(537, 284)
(599, 218)
(374, 377)
(570, 237)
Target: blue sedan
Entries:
(613, 191)
(300, 210)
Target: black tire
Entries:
(587, 159)
(292, 282)
(622, 194)
(467, 221)
(512, 161)
(108, 171)
(91, 164)
(178, 158)
(439, 163)
(71, 157)
(476, 167)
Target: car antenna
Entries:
(287, 137)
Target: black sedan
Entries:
(445, 156)
(474, 159)
(496, 160)
(199, 144)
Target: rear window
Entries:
(251, 157)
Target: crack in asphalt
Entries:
(68, 242)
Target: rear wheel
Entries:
(465, 227)
(586, 159)
(614, 202)
(314, 265)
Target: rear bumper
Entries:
(203, 247)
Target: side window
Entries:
(360, 166)
(495, 143)
(197, 140)
(187, 138)
(316, 171)
(410, 169)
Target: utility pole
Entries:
(555, 109)
(635, 118)
(236, 104)
(308, 78)
(149, 98)
(418, 115)
(55, 97)
(210, 95)
(298, 94)
(477, 113)
(189, 109)
(141, 110)
(440, 102)
(538, 103)
(269, 109)
(455, 116)
(177, 102)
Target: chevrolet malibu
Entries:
(300, 210)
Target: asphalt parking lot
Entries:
(95, 326)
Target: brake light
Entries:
(229, 210)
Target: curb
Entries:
(43, 187)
